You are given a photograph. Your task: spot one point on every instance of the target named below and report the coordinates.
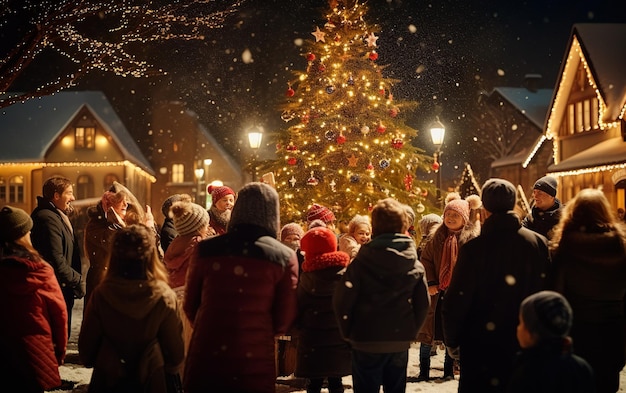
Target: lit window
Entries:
(3, 190)
(16, 189)
(85, 138)
(178, 173)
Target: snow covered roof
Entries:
(532, 104)
(29, 129)
(604, 48)
(611, 151)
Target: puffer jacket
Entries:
(34, 339)
(241, 293)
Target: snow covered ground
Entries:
(74, 372)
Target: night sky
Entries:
(444, 52)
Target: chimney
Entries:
(532, 81)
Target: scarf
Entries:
(448, 259)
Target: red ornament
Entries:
(341, 139)
(408, 181)
(370, 167)
(382, 91)
(435, 166)
(381, 128)
(373, 55)
(393, 112)
(291, 147)
(397, 143)
(290, 92)
(292, 160)
(321, 67)
(310, 57)
(337, 37)
(305, 119)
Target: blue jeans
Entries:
(371, 370)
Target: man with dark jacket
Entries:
(53, 237)
(493, 274)
(546, 211)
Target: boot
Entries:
(424, 363)
(448, 368)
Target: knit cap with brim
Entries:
(257, 204)
(498, 195)
(14, 223)
(189, 217)
(319, 212)
(292, 228)
(219, 192)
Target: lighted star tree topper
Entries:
(346, 144)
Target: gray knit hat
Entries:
(547, 314)
(14, 223)
(546, 184)
(257, 204)
(189, 217)
(428, 221)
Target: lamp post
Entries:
(255, 136)
(199, 172)
(207, 163)
(437, 132)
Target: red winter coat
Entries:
(33, 336)
(241, 293)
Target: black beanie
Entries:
(546, 184)
(257, 204)
(14, 223)
(546, 315)
(498, 195)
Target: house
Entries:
(585, 120)
(75, 134)
(187, 156)
(527, 109)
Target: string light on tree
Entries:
(349, 128)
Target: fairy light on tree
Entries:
(346, 144)
(70, 28)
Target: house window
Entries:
(109, 179)
(85, 138)
(3, 190)
(16, 189)
(84, 187)
(178, 173)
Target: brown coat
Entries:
(431, 259)
(133, 320)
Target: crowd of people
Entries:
(196, 304)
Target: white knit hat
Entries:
(189, 217)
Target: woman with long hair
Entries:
(589, 261)
(33, 337)
(132, 332)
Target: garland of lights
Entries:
(125, 163)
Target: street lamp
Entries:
(437, 132)
(255, 136)
(199, 172)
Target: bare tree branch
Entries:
(100, 35)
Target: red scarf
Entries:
(448, 260)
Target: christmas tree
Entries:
(346, 144)
(468, 184)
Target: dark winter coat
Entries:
(98, 235)
(550, 368)
(33, 340)
(493, 274)
(322, 352)
(58, 245)
(241, 293)
(168, 233)
(131, 335)
(382, 299)
(431, 259)
(590, 271)
(543, 221)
